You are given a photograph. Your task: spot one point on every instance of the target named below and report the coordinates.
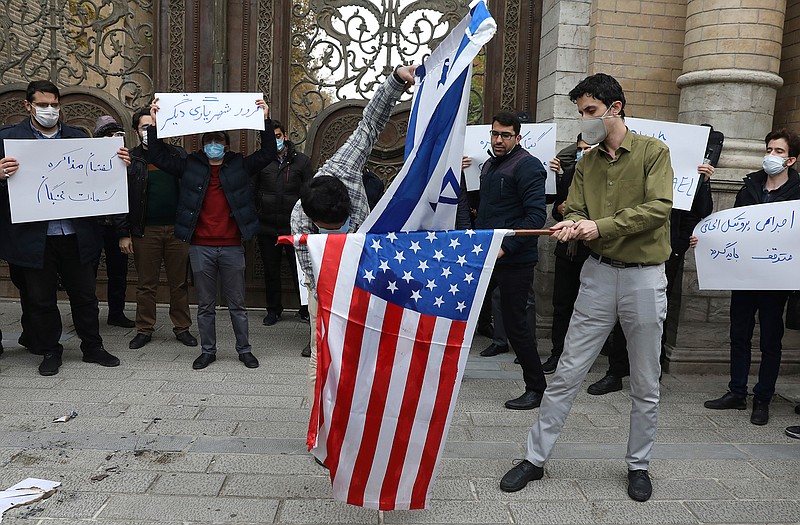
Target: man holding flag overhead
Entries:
(396, 312)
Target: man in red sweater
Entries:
(216, 211)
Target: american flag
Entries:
(395, 321)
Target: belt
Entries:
(618, 264)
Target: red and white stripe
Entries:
(387, 382)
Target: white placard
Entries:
(301, 281)
(189, 113)
(538, 139)
(750, 248)
(687, 147)
(66, 178)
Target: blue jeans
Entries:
(226, 263)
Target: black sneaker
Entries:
(303, 314)
(549, 366)
(50, 364)
(101, 357)
(271, 318)
(793, 432)
(306, 352)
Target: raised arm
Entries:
(158, 153)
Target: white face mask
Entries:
(47, 117)
(144, 136)
(773, 164)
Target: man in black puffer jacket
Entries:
(512, 196)
(277, 189)
(215, 213)
(777, 181)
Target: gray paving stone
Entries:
(152, 412)
(663, 490)
(123, 481)
(93, 441)
(237, 401)
(188, 484)
(478, 449)
(244, 445)
(298, 464)
(65, 503)
(279, 487)
(208, 510)
(243, 389)
(277, 415)
(545, 489)
(566, 512)
(314, 512)
(78, 425)
(145, 398)
(273, 429)
(473, 468)
(53, 457)
(57, 409)
(452, 489)
(701, 469)
(746, 511)
(158, 461)
(174, 427)
(111, 385)
(765, 489)
(463, 512)
(780, 470)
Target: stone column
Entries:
(730, 80)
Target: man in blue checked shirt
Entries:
(334, 201)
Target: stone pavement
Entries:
(156, 442)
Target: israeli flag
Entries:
(424, 195)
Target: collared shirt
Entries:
(629, 197)
(62, 226)
(347, 164)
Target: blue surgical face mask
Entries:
(579, 155)
(214, 151)
(344, 228)
(279, 143)
(773, 165)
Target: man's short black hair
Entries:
(211, 135)
(140, 113)
(44, 86)
(580, 138)
(276, 124)
(604, 88)
(325, 199)
(506, 118)
(790, 137)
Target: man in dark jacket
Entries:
(512, 196)
(277, 190)
(41, 252)
(215, 213)
(777, 181)
(148, 233)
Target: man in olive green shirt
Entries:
(619, 204)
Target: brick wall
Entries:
(641, 44)
(787, 104)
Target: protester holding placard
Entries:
(42, 252)
(776, 181)
(215, 212)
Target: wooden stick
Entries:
(534, 232)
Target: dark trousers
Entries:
(17, 276)
(116, 272)
(566, 283)
(769, 305)
(61, 259)
(514, 281)
(271, 254)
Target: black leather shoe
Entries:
(549, 366)
(50, 365)
(727, 402)
(306, 352)
(606, 385)
(139, 340)
(527, 401)
(101, 357)
(121, 321)
(249, 360)
(760, 415)
(271, 318)
(203, 361)
(186, 338)
(303, 314)
(493, 350)
(519, 476)
(639, 486)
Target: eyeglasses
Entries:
(505, 135)
(43, 105)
